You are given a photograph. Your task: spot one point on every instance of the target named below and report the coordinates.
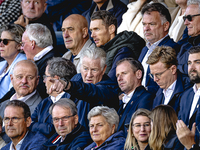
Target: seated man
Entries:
(70, 134)
(92, 87)
(37, 45)
(117, 46)
(76, 38)
(57, 68)
(17, 119)
(163, 67)
(156, 21)
(24, 80)
(129, 74)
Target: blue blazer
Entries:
(33, 141)
(182, 83)
(41, 118)
(186, 100)
(183, 54)
(167, 41)
(140, 99)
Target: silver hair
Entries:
(109, 114)
(40, 34)
(27, 62)
(15, 30)
(193, 2)
(94, 53)
(61, 67)
(65, 103)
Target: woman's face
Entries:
(9, 51)
(100, 130)
(141, 128)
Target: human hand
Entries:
(22, 20)
(185, 136)
(58, 86)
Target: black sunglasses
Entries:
(5, 41)
(189, 17)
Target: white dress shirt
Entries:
(126, 98)
(55, 99)
(168, 92)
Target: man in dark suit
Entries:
(37, 45)
(17, 119)
(24, 80)
(189, 100)
(163, 67)
(129, 73)
(156, 22)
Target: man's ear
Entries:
(33, 44)
(28, 121)
(173, 69)
(85, 32)
(138, 74)
(111, 29)
(166, 26)
(11, 78)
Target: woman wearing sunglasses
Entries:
(11, 36)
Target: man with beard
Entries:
(189, 101)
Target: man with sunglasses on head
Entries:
(17, 119)
(192, 21)
(163, 70)
(156, 21)
(71, 135)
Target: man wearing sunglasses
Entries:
(163, 68)
(156, 21)
(192, 21)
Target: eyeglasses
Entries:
(157, 75)
(13, 119)
(45, 76)
(6, 41)
(138, 126)
(65, 118)
(189, 17)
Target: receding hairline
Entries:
(79, 19)
(25, 63)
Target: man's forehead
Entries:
(194, 57)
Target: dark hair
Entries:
(194, 49)
(135, 64)
(163, 11)
(17, 103)
(61, 67)
(107, 18)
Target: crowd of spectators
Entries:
(99, 75)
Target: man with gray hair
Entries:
(70, 133)
(191, 20)
(156, 21)
(37, 45)
(57, 68)
(91, 87)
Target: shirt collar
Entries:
(156, 43)
(195, 88)
(39, 55)
(126, 97)
(55, 99)
(25, 98)
(18, 146)
(170, 88)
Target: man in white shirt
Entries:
(129, 73)
(156, 21)
(37, 44)
(17, 119)
(189, 101)
(163, 68)
(58, 68)
(24, 80)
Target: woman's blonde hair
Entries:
(131, 141)
(164, 123)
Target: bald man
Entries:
(76, 38)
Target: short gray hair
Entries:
(65, 103)
(109, 114)
(61, 67)
(40, 34)
(193, 2)
(94, 53)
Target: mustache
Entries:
(25, 85)
(193, 71)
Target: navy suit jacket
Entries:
(182, 83)
(167, 41)
(141, 99)
(33, 141)
(186, 100)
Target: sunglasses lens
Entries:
(5, 41)
(188, 17)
